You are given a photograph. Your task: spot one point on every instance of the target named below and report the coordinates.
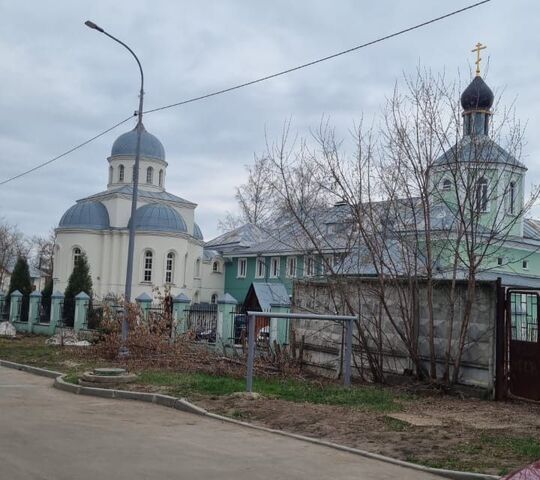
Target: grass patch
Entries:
(32, 351)
(526, 447)
(366, 397)
(72, 378)
(487, 452)
(395, 424)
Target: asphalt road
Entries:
(49, 434)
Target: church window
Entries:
(197, 268)
(147, 272)
(274, 267)
(149, 175)
(482, 195)
(76, 255)
(169, 268)
(214, 298)
(110, 174)
(525, 264)
(291, 267)
(499, 261)
(242, 267)
(196, 297)
(446, 185)
(160, 178)
(261, 268)
(309, 266)
(121, 173)
(512, 198)
(215, 267)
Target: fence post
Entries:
(347, 353)
(2, 304)
(57, 299)
(251, 353)
(225, 322)
(15, 306)
(181, 304)
(81, 311)
(144, 301)
(33, 309)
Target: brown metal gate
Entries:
(523, 346)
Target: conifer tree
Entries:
(20, 278)
(79, 281)
(46, 294)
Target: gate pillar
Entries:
(82, 301)
(144, 301)
(57, 301)
(225, 321)
(33, 309)
(15, 306)
(181, 304)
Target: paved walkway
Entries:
(49, 434)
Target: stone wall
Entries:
(385, 330)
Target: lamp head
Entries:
(92, 25)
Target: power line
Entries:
(247, 84)
(320, 60)
(86, 142)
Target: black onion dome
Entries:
(477, 95)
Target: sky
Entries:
(63, 83)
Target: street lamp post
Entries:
(139, 128)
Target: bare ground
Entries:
(474, 435)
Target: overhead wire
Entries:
(314, 62)
(67, 152)
(249, 83)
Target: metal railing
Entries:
(202, 321)
(347, 355)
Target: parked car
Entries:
(530, 472)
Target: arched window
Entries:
(197, 272)
(160, 178)
(169, 268)
(147, 268)
(149, 175)
(196, 297)
(215, 267)
(76, 255)
(121, 173)
(512, 198)
(110, 174)
(482, 195)
(214, 298)
(446, 185)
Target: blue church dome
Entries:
(126, 144)
(159, 217)
(90, 215)
(477, 96)
(197, 232)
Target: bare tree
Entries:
(254, 197)
(42, 250)
(426, 201)
(12, 245)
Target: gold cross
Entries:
(479, 47)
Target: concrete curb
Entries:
(157, 398)
(185, 406)
(42, 372)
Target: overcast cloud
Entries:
(62, 83)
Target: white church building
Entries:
(169, 245)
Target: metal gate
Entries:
(523, 345)
(202, 321)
